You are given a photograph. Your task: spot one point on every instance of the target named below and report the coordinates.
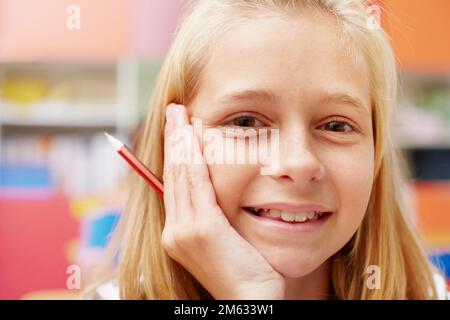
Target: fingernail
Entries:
(169, 111)
(178, 110)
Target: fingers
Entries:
(169, 193)
(187, 172)
(182, 196)
(203, 197)
(176, 147)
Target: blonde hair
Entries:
(385, 238)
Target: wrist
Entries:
(272, 292)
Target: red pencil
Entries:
(136, 164)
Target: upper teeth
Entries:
(290, 216)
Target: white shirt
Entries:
(110, 290)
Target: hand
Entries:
(198, 235)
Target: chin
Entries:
(293, 266)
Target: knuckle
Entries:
(166, 174)
(177, 171)
(177, 238)
(197, 234)
(202, 233)
(173, 171)
(192, 180)
(167, 203)
(167, 240)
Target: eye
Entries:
(338, 126)
(245, 121)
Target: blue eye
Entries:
(338, 126)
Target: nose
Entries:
(298, 162)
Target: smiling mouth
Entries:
(289, 217)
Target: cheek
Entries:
(230, 178)
(229, 183)
(352, 176)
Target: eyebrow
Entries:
(269, 96)
(248, 95)
(345, 99)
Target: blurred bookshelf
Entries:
(62, 186)
(422, 132)
(49, 111)
(423, 111)
(422, 127)
(422, 124)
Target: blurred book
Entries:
(75, 164)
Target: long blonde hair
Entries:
(385, 238)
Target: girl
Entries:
(330, 221)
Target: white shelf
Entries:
(119, 111)
(420, 128)
(53, 114)
(85, 112)
(58, 122)
(415, 145)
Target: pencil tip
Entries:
(114, 141)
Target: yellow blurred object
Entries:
(437, 240)
(52, 295)
(81, 207)
(24, 90)
(70, 250)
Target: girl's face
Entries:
(296, 75)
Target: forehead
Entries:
(290, 56)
